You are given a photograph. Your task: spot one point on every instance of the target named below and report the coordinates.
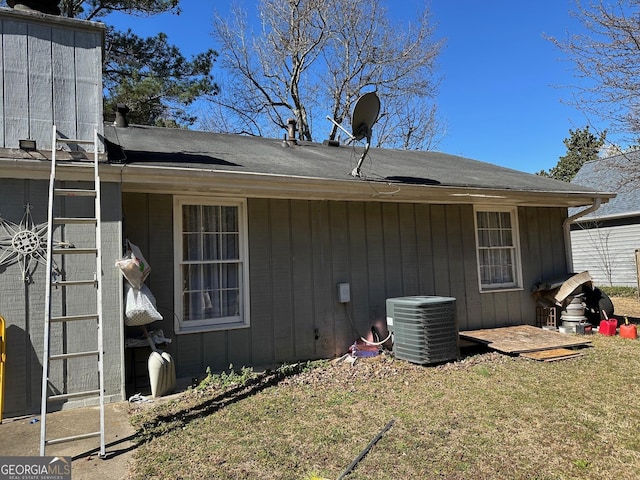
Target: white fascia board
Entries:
(140, 178)
(179, 180)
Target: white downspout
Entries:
(566, 226)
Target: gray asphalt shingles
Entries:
(618, 174)
(241, 153)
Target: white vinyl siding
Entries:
(607, 252)
(211, 264)
(498, 249)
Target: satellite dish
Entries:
(365, 114)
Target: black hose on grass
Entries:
(366, 450)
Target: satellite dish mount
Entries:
(364, 116)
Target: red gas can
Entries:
(608, 326)
(628, 330)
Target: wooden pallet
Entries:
(552, 355)
(523, 339)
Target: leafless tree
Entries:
(606, 57)
(315, 58)
(599, 249)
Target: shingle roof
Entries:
(237, 153)
(619, 174)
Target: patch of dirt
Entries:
(626, 306)
(344, 373)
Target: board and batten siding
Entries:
(607, 252)
(300, 250)
(22, 306)
(52, 74)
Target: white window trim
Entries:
(217, 324)
(517, 261)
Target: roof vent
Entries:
(290, 138)
(43, 6)
(121, 116)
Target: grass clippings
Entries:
(487, 416)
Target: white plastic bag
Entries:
(133, 266)
(140, 307)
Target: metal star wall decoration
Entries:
(24, 243)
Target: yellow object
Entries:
(3, 358)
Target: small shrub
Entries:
(620, 291)
(227, 379)
(580, 463)
(245, 375)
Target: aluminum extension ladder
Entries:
(61, 292)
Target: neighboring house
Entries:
(605, 241)
(248, 238)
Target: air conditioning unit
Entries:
(424, 328)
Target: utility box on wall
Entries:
(344, 293)
(424, 328)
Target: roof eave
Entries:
(594, 217)
(176, 180)
(140, 178)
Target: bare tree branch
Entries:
(315, 57)
(607, 61)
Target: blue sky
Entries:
(500, 95)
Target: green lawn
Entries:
(488, 416)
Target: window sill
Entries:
(501, 290)
(220, 327)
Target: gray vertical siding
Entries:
(15, 82)
(52, 74)
(2, 80)
(300, 250)
(22, 306)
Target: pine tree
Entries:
(149, 75)
(154, 79)
(582, 146)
